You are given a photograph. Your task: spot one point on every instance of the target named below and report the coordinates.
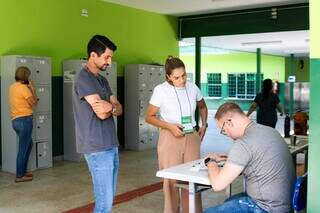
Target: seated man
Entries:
(262, 156)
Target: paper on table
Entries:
(199, 165)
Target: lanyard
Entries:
(179, 100)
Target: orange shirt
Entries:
(19, 106)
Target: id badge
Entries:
(186, 122)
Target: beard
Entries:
(103, 67)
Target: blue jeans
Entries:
(23, 127)
(240, 203)
(104, 167)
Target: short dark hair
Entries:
(173, 63)
(99, 44)
(227, 108)
(266, 87)
(22, 74)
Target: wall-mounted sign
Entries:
(292, 78)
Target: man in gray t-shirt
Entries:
(94, 106)
(262, 156)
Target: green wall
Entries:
(314, 138)
(301, 72)
(272, 67)
(55, 28)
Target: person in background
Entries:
(94, 106)
(262, 156)
(22, 98)
(267, 103)
(176, 101)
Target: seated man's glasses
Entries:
(222, 131)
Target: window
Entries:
(214, 84)
(242, 85)
(190, 77)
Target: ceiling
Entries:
(277, 43)
(195, 7)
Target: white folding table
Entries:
(182, 172)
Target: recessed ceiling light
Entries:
(261, 43)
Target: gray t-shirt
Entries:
(92, 133)
(268, 167)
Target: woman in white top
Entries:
(176, 101)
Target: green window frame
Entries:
(242, 85)
(214, 85)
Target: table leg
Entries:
(192, 197)
(306, 161)
(294, 159)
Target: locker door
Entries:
(43, 155)
(41, 71)
(161, 75)
(44, 98)
(32, 163)
(153, 80)
(24, 61)
(143, 80)
(111, 74)
(143, 92)
(143, 105)
(42, 127)
(143, 132)
(154, 134)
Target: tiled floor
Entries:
(68, 185)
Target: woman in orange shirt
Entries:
(22, 97)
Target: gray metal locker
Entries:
(70, 69)
(44, 97)
(44, 155)
(32, 164)
(40, 68)
(140, 80)
(42, 124)
(41, 71)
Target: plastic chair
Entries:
(299, 198)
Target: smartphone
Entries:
(208, 159)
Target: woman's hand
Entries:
(30, 86)
(176, 130)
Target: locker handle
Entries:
(38, 127)
(38, 71)
(139, 107)
(38, 99)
